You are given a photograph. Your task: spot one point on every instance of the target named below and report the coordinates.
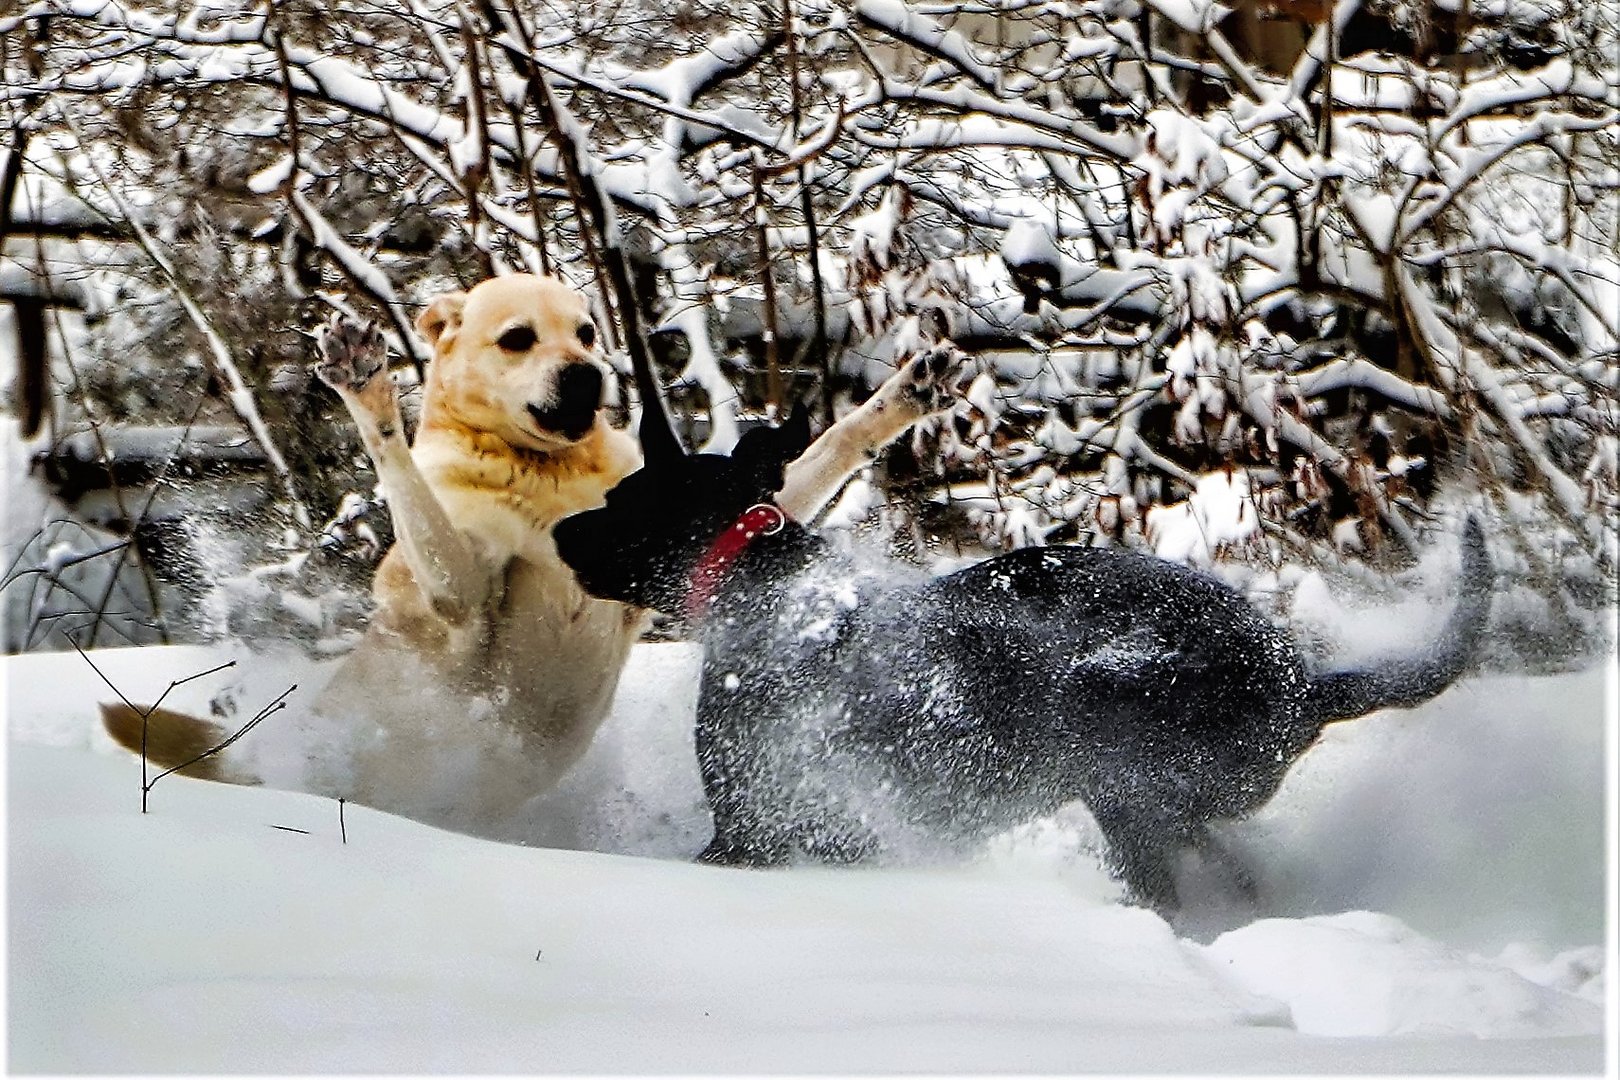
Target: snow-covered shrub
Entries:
(1355, 259)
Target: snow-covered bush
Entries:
(1354, 259)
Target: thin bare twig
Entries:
(773, 366)
(262, 715)
(146, 713)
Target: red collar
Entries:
(761, 519)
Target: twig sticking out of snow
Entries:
(276, 705)
(147, 783)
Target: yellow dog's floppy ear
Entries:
(442, 318)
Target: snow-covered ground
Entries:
(1433, 881)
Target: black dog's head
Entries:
(642, 546)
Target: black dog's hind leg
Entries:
(1143, 852)
(1233, 869)
(837, 839)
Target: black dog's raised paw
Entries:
(352, 353)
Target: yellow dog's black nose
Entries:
(579, 388)
(578, 396)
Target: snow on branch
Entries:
(1179, 243)
(1361, 373)
(921, 32)
(684, 80)
(238, 393)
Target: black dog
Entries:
(843, 714)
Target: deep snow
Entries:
(203, 937)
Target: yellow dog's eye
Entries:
(587, 334)
(517, 339)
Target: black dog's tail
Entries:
(1401, 684)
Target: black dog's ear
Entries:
(796, 430)
(766, 451)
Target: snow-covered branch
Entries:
(1345, 258)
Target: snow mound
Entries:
(1362, 973)
(636, 791)
(238, 929)
(1577, 971)
(246, 929)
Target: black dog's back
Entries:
(1152, 691)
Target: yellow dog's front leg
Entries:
(924, 385)
(441, 558)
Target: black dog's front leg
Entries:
(736, 782)
(723, 851)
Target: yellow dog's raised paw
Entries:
(352, 353)
(931, 377)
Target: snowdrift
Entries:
(1433, 884)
